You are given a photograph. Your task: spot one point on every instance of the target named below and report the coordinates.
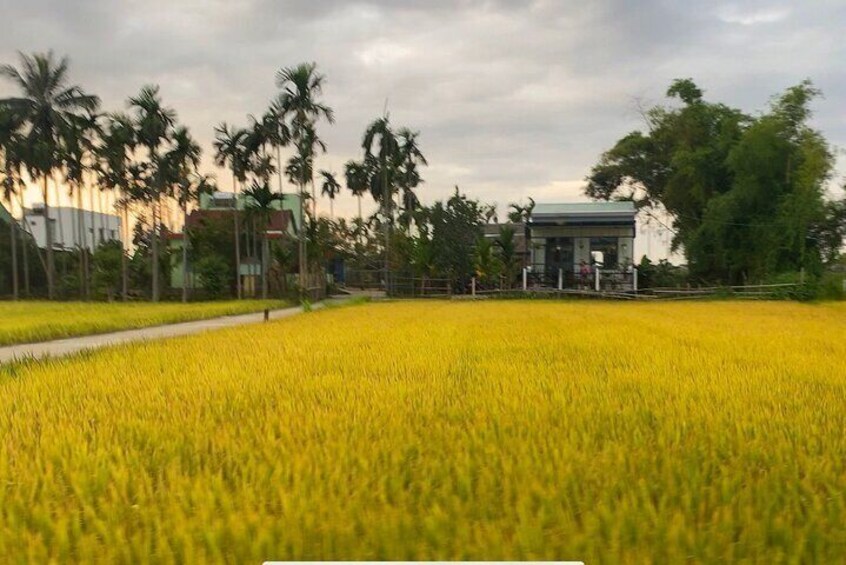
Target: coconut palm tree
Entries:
(154, 125)
(358, 180)
(260, 203)
(300, 88)
(330, 188)
(229, 150)
(382, 184)
(116, 172)
(46, 100)
(181, 163)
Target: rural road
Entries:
(61, 347)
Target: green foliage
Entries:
(213, 273)
(662, 274)
(746, 195)
(106, 278)
(455, 227)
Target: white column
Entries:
(525, 281)
(560, 279)
(473, 286)
(596, 272)
(634, 278)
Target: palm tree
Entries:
(301, 86)
(331, 188)
(153, 129)
(46, 101)
(73, 156)
(10, 182)
(358, 180)
(260, 202)
(181, 164)
(229, 150)
(383, 188)
(116, 172)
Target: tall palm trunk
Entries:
(14, 243)
(83, 253)
(279, 171)
(58, 213)
(264, 265)
(48, 237)
(93, 220)
(155, 246)
(25, 254)
(360, 217)
(303, 249)
(237, 236)
(185, 241)
(124, 251)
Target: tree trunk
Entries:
(25, 251)
(79, 236)
(279, 170)
(303, 249)
(237, 236)
(14, 243)
(264, 265)
(155, 245)
(332, 208)
(51, 271)
(124, 260)
(185, 255)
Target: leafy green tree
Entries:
(456, 228)
(213, 274)
(745, 195)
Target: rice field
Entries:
(32, 321)
(604, 432)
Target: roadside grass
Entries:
(35, 321)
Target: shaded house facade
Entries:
(562, 236)
(218, 208)
(64, 227)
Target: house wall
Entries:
(105, 227)
(581, 243)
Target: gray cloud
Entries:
(512, 98)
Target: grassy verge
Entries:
(26, 322)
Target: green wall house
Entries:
(218, 208)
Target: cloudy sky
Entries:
(512, 99)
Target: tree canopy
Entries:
(746, 194)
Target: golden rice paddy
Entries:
(31, 321)
(441, 430)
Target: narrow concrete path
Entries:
(61, 347)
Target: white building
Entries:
(65, 222)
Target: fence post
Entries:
(525, 282)
(596, 278)
(634, 278)
(560, 279)
(473, 287)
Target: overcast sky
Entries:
(512, 99)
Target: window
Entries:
(603, 252)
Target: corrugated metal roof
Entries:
(576, 208)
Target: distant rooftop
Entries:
(567, 208)
(583, 214)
